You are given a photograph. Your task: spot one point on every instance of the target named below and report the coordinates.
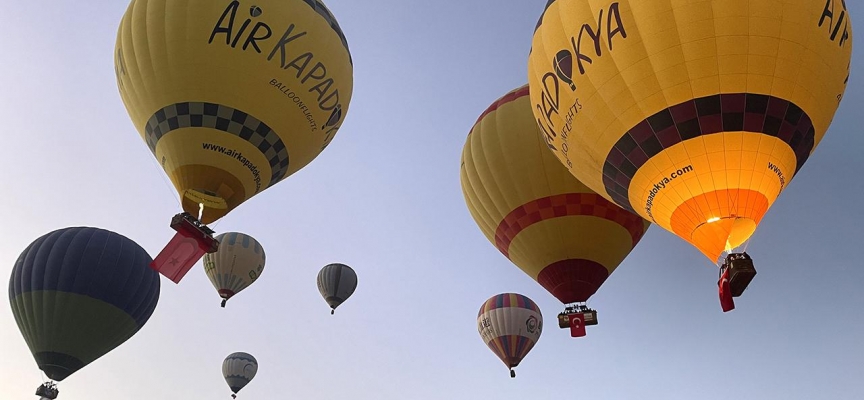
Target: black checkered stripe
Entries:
(322, 10)
(225, 119)
(747, 112)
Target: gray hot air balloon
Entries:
(336, 282)
(239, 369)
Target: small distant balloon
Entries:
(236, 265)
(239, 369)
(510, 324)
(336, 283)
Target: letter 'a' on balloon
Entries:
(695, 115)
(231, 97)
(510, 324)
(238, 369)
(336, 283)
(237, 264)
(554, 228)
(76, 294)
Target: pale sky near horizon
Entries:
(385, 198)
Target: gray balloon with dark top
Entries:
(336, 282)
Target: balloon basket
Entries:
(741, 272)
(47, 390)
(189, 226)
(589, 316)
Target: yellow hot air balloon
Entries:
(232, 96)
(694, 114)
(554, 228)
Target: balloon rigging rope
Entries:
(167, 182)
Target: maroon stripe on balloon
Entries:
(573, 280)
(726, 112)
(563, 205)
(512, 96)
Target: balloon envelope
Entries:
(77, 293)
(510, 324)
(236, 265)
(239, 369)
(232, 97)
(694, 114)
(554, 228)
(336, 283)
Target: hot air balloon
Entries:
(697, 114)
(510, 324)
(231, 98)
(76, 294)
(559, 232)
(239, 369)
(236, 265)
(336, 283)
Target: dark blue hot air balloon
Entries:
(76, 294)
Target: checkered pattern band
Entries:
(746, 112)
(331, 20)
(225, 119)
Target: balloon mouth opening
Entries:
(57, 366)
(204, 203)
(56, 373)
(729, 232)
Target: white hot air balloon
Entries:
(238, 262)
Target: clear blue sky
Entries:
(385, 199)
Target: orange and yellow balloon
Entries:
(554, 228)
(694, 114)
(232, 96)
